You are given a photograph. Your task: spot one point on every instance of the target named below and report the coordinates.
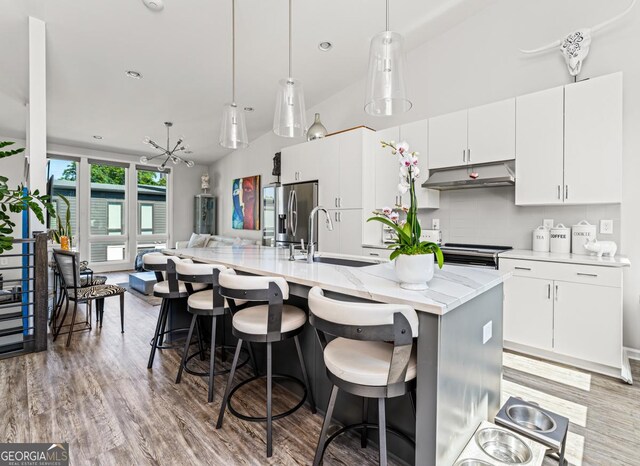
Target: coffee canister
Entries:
(541, 239)
(560, 239)
(580, 235)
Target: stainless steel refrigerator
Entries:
(292, 204)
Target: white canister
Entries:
(560, 239)
(541, 239)
(581, 234)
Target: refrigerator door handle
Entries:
(294, 213)
(289, 211)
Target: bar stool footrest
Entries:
(243, 362)
(275, 417)
(368, 425)
(176, 345)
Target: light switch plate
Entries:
(606, 227)
(487, 332)
(547, 223)
(435, 224)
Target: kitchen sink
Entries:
(342, 261)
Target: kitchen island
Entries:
(459, 347)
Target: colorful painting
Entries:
(246, 203)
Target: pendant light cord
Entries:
(290, 54)
(387, 24)
(233, 51)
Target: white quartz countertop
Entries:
(528, 254)
(449, 288)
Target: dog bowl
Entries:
(531, 418)
(472, 462)
(503, 446)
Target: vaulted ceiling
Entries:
(184, 55)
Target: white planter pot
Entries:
(414, 271)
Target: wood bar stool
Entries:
(169, 289)
(360, 360)
(263, 323)
(205, 303)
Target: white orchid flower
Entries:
(414, 159)
(394, 216)
(387, 211)
(403, 187)
(415, 172)
(403, 147)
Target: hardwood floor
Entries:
(99, 396)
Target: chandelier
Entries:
(168, 153)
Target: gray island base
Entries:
(459, 348)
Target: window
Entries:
(107, 212)
(62, 176)
(146, 219)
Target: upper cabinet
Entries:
(569, 144)
(539, 165)
(474, 136)
(492, 132)
(416, 134)
(386, 168)
(593, 140)
(448, 140)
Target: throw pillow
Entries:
(198, 241)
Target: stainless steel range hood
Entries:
(489, 175)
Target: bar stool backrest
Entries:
(67, 263)
(201, 273)
(367, 321)
(155, 262)
(241, 288)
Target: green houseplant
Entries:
(63, 231)
(16, 201)
(414, 258)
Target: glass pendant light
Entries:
(289, 118)
(386, 91)
(233, 130)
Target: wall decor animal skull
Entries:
(575, 46)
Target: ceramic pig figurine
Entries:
(607, 248)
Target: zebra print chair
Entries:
(68, 266)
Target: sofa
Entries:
(215, 240)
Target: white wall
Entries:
(478, 62)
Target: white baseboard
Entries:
(633, 353)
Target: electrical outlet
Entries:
(435, 224)
(4, 261)
(547, 223)
(487, 332)
(606, 227)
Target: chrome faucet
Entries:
(311, 245)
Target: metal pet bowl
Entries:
(503, 446)
(531, 418)
(472, 462)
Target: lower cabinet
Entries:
(564, 309)
(528, 315)
(346, 237)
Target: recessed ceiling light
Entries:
(134, 74)
(97, 136)
(249, 109)
(155, 5)
(325, 46)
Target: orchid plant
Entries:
(407, 231)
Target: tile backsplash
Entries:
(490, 216)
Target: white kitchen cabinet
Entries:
(492, 132)
(301, 162)
(346, 236)
(416, 135)
(376, 253)
(593, 140)
(448, 140)
(540, 148)
(528, 316)
(387, 175)
(587, 322)
(566, 312)
(350, 159)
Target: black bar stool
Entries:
(263, 323)
(169, 290)
(206, 303)
(361, 362)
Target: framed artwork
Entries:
(246, 203)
